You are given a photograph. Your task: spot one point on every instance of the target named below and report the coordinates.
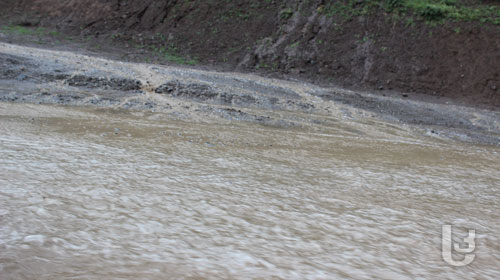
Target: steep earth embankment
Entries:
(348, 43)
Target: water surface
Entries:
(87, 194)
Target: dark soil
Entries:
(375, 51)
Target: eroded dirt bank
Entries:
(56, 77)
(348, 43)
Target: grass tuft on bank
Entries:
(428, 10)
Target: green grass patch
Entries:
(428, 10)
(22, 30)
(442, 10)
(286, 14)
(169, 55)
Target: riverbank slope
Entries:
(441, 49)
(72, 77)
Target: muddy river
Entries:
(107, 194)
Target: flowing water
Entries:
(88, 194)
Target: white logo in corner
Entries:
(447, 248)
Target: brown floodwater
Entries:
(95, 194)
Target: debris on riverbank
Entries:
(68, 78)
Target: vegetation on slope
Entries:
(429, 10)
(445, 48)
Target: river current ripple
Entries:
(105, 196)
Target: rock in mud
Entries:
(204, 93)
(196, 91)
(55, 77)
(103, 82)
